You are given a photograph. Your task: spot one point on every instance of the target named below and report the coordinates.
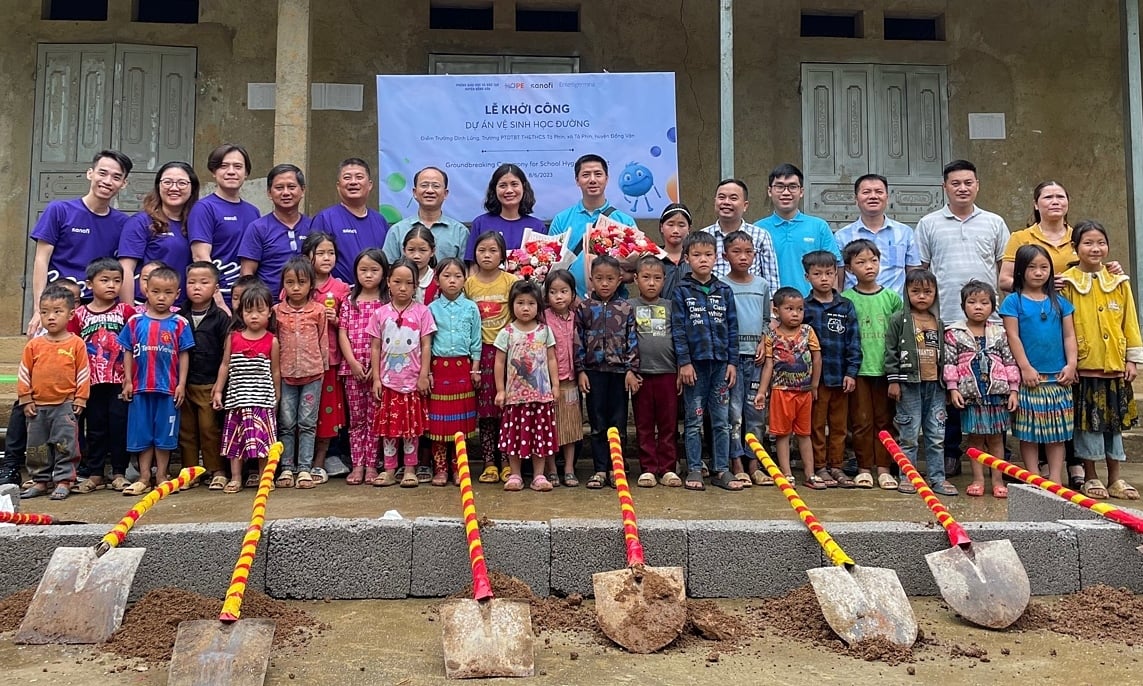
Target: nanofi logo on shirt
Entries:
(80, 229)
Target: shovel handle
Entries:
(631, 542)
(232, 605)
(481, 586)
(119, 532)
(957, 534)
(1103, 509)
(836, 555)
(19, 518)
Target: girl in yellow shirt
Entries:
(1109, 347)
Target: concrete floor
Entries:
(355, 651)
(336, 499)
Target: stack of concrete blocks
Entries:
(1063, 547)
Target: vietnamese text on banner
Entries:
(468, 125)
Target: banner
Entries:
(468, 125)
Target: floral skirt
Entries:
(986, 417)
(528, 430)
(331, 408)
(452, 404)
(1104, 405)
(400, 415)
(486, 394)
(248, 433)
(1044, 414)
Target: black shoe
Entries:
(9, 475)
(952, 465)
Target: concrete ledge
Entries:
(1108, 554)
(1049, 550)
(894, 545)
(582, 547)
(194, 557)
(27, 549)
(730, 559)
(1031, 504)
(339, 558)
(440, 554)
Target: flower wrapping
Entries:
(538, 255)
(625, 243)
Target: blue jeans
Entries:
(709, 394)
(298, 412)
(922, 408)
(744, 417)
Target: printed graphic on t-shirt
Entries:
(651, 320)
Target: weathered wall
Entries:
(1053, 68)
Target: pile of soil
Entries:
(548, 614)
(1098, 613)
(150, 625)
(13, 608)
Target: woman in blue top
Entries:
(159, 232)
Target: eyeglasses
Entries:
(175, 183)
(783, 187)
(427, 186)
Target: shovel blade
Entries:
(863, 603)
(642, 610)
(987, 585)
(487, 638)
(208, 653)
(81, 598)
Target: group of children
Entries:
(417, 351)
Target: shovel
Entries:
(985, 582)
(20, 519)
(1104, 510)
(83, 592)
(229, 651)
(859, 603)
(486, 636)
(641, 608)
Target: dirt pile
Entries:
(13, 608)
(1098, 613)
(150, 625)
(548, 614)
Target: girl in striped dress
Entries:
(251, 379)
(1042, 336)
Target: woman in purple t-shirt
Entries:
(218, 221)
(509, 202)
(159, 231)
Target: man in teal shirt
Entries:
(591, 177)
(794, 233)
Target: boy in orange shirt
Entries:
(53, 386)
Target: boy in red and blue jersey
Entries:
(156, 348)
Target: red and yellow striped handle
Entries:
(119, 532)
(836, 555)
(957, 534)
(21, 518)
(631, 542)
(481, 587)
(1103, 509)
(232, 605)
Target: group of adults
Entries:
(958, 242)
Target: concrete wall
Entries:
(1053, 68)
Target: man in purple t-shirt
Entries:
(72, 233)
(352, 223)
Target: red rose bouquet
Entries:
(537, 255)
(625, 243)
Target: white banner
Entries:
(469, 125)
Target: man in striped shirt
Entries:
(731, 198)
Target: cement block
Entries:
(440, 554)
(1048, 550)
(1108, 555)
(339, 558)
(13, 493)
(27, 549)
(732, 559)
(194, 557)
(1031, 504)
(900, 546)
(582, 547)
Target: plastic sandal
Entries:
(1000, 491)
(137, 488)
(646, 480)
(386, 478)
(285, 479)
(597, 480)
(671, 480)
(1094, 489)
(232, 487)
(827, 477)
(744, 479)
(219, 482)
(505, 474)
(87, 486)
(410, 480)
(490, 475)
(514, 483)
(570, 480)
(694, 477)
(541, 483)
(816, 483)
(761, 478)
(253, 479)
(356, 475)
(906, 486)
(975, 490)
(863, 480)
(1122, 490)
(886, 482)
(842, 479)
(305, 480)
(120, 483)
(320, 475)
(61, 492)
(945, 488)
(553, 479)
(725, 481)
(440, 478)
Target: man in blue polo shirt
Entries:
(794, 233)
(591, 177)
(352, 223)
(896, 241)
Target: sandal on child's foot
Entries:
(440, 478)
(253, 478)
(570, 480)
(863, 480)
(646, 480)
(815, 482)
(761, 478)
(232, 487)
(1000, 491)
(410, 480)
(671, 480)
(744, 479)
(945, 488)
(424, 474)
(305, 480)
(1122, 490)
(1093, 488)
(886, 482)
(975, 490)
(827, 478)
(505, 474)
(285, 479)
(62, 491)
(490, 475)
(356, 475)
(370, 475)
(514, 482)
(694, 481)
(541, 483)
(553, 479)
(597, 480)
(137, 488)
(842, 479)
(386, 478)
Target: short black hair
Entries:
(858, 246)
(650, 262)
(604, 261)
(214, 161)
(784, 170)
(355, 162)
(163, 273)
(207, 265)
(588, 158)
(786, 293)
(977, 286)
(102, 264)
(737, 182)
(819, 258)
(736, 236)
(286, 168)
(122, 160)
(698, 238)
(57, 291)
(957, 165)
(444, 176)
(870, 177)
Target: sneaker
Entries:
(9, 475)
(334, 466)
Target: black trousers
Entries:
(104, 423)
(606, 408)
(16, 443)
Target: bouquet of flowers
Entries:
(625, 243)
(537, 255)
